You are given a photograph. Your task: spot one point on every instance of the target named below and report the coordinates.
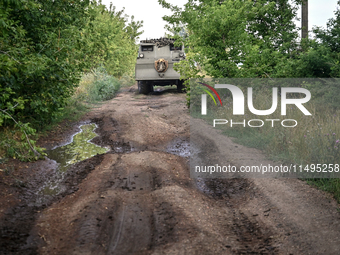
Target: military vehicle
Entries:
(154, 64)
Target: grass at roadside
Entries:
(96, 86)
(315, 140)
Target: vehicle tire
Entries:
(144, 87)
(180, 87)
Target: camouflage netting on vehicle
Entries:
(161, 42)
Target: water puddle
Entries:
(211, 187)
(79, 149)
(179, 147)
(203, 187)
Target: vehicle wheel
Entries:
(180, 87)
(144, 87)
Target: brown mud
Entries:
(138, 198)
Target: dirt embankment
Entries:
(139, 198)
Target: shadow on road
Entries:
(164, 90)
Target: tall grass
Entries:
(315, 140)
(127, 80)
(97, 85)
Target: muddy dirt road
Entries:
(138, 198)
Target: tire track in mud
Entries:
(139, 225)
(18, 221)
(253, 238)
(139, 199)
(123, 214)
(121, 243)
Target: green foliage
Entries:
(108, 39)
(221, 36)
(45, 46)
(127, 80)
(97, 86)
(38, 43)
(252, 39)
(19, 142)
(257, 39)
(104, 86)
(8, 105)
(330, 36)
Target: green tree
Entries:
(38, 53)
(329, 38)
(223, 35)
(109, 39)
(320, 56)
(45, 46)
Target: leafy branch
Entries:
(22, 128)
(10, 56)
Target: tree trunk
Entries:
(304, 19)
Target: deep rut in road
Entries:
(138, 198)
(136, 205)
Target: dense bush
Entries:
(38, 60)
(252, 39)
(97, 85)
(109, 40)
(46, 45)
(104, 87)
